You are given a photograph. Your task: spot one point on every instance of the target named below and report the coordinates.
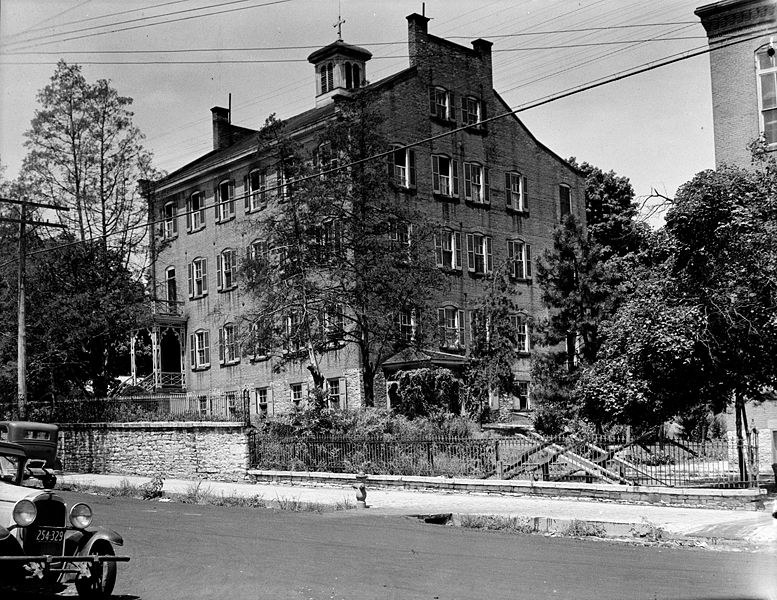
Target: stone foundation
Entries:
(188, 450)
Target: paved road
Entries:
(190, 552)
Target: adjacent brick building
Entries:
(495, 190)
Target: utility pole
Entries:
(20, 410)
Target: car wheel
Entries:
(102, 576)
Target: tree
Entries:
(426, 392)
(85, 153)
(345, 261)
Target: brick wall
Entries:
(176, 450)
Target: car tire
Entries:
(100, 583)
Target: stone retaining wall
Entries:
(188, 450)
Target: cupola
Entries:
(340, 69)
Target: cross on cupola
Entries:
(339, 26)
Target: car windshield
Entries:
(9, 468)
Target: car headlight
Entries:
(81, 515)
(24, 513)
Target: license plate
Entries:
(50, 535)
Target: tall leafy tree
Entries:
(346, 261)
(85, 153)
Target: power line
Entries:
(644, 68)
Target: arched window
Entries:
(348, 79)
(357, 76)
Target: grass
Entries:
(577, 528)
(497, 523)
(198, 493)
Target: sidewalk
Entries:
(713, 527)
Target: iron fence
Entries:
(595, 459)
(167, 407)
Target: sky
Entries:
(654, 128)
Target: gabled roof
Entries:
(416, 358)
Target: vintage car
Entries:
(42, 542)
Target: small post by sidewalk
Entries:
(361, 489)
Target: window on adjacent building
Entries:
(520, 326)
(445, 176)
(226, 276)
(256, 183)
(451, 327)
(403, 167)
(766, 66)
(225, 201)
(195, 212)
(336, 398)
(229, 348)
(262, 401)
(198, 278)
(564, 200)
(326, 74)
(479, 255)
(519, 257)
(441, 103)
(447, 249)
(516, 192)
(170, 224)
(199, 347)
(476, 184)
(333, 321)
(470, 111)
(521, 395)
(406, 324)
(297, 391)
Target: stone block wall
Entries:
(192, 450)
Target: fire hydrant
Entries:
(361, 489)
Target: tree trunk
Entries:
(739, 412)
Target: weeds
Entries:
(498, 523)
(649, 531)
(578, 528)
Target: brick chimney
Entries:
(483, 48)
(417, 29)
(222, 129)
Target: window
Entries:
(199, 348)
(353, 76)
(330, 239)
(336, 396)
(259, 250)
(445, 176)
(441, 103)
(325, 159)
(515, 192)
(470, 111)
(297, 390)
(447, 249)
(519, 257)
(326, 74)
(451, 327)
(262, 401)
(476, 186)
(521, 395)
(258, 334)
(195, 212)
(406, 324)
(226, 276)
(229, 349)
(281, 186)
(403, 167)
(225, 201)
(170, 224)
(198, 278)
(293, 331)
(170, 287)
(520, 326)
(333, 322)
(255, 186)
(202, 404)
(565, 200)
(479, 257)
(399, 234)
(766, 67)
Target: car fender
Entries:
(9, 545)
(92, 535)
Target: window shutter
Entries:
(468, 181)
(455, 177)
(463, 107)
(175, 217)
(528, 260)
(511, 262)
(470, 252)
(457, 250)
(232, 198)
(411, 166)
(192, 351)
(202, 210)
(486, 186)
(246, 193)
(220, 271)
(483, 114)
(487, 251)
(460, 323)
(188, 214)
(451, 106)
(206, 345)
(438, 249)
(343, 394)
(508, 190)
(436, 174)
(525, 195)
(191, 280)
(216, 202)
(441, 325)
(432, 100)
(204, 264)
(221, 346)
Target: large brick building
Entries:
(494, 189)
(743, 69)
